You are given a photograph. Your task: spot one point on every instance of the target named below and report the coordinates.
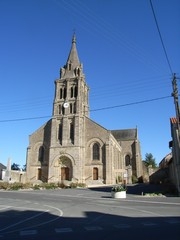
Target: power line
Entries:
(129, 104)
(161, 37)
(93, 110)
(23, 119)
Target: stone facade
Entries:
(72, 147)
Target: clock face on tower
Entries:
(66, 105)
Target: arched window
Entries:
(63, 93)
(96, 151)
(73, 91)
(127, 160)
(41, 154)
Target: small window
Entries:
(70, 66)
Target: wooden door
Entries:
(64, 173)
(95, 173)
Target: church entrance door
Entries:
(65, 173)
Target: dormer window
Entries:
(69, 66)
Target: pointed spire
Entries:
(73, 66)
(73, 58)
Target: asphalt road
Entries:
(87, 214)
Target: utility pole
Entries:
(176, 148)
(176, 102)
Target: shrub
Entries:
(15, 186)
(119, 188)
(61, 185)
(49, 185)
(82, 185)
(4, 185)
(134, 179)
(73, 185)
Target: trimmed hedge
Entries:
(18, 186)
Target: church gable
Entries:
(93, 129)
(42, 134)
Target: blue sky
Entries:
(123, 58)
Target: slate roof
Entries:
(125, 134)
(2, 166)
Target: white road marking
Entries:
(172, 221)
(149, 224)
(122, 225)
(28, 232)
(24, 220)
(63, 230)
(93, 228)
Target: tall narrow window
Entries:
(70, 106)
(75, 91)
(74, 107)
(72, 132)
(60, 133)
(41, 154)
(60, 109)
(96, 152)
(71, 92)
(61, 93)
(127, 160)
(65, 93)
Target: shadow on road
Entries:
(141, 189)
(93, 225)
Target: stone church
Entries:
(72, 147)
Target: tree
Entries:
(15, 166)
(150, 160)
(24, 168)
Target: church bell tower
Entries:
(71, 100)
